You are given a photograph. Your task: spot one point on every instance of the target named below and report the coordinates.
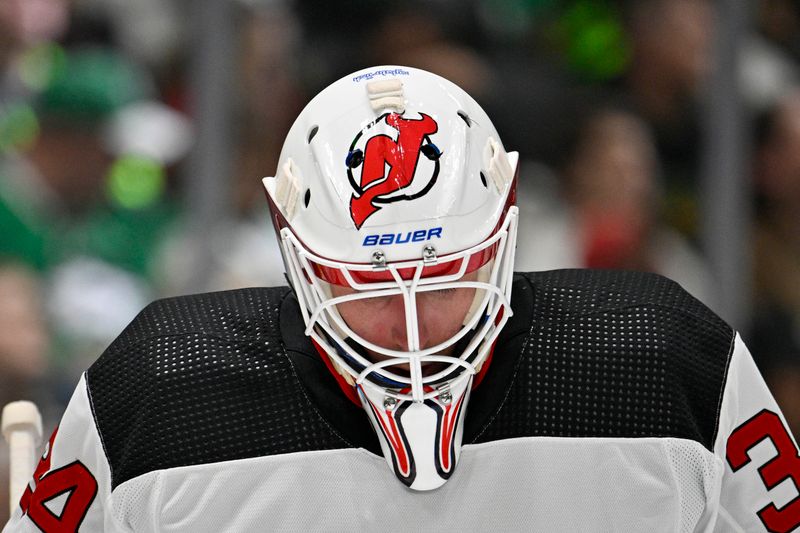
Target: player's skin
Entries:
(382, 320)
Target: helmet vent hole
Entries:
(307, 197)
(465, 118)
(483, 179)
(312, 132)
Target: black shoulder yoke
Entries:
(616, 354)
(200, 379)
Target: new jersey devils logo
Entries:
(389, 166)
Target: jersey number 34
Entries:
(71, 484)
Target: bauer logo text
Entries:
(419, 235)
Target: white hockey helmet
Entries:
(393, 184)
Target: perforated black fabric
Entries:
(202, 379)
(616, 354)
(211, 377)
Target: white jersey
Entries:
(590, 461)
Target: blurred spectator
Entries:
(24, 338)
(84, 202)
(433, 36)
(779, 21)
(428, 46)
(268, 96)
(24, 346)
(776, 329)
(671, 55)
(29, 22)
(672, 46)
(60, 177)
(767, 73)
(611, 212)
(269, 43)
(671, 52)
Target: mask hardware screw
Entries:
(445, 396)
(429, 254)
(378, 260)
(389, 402)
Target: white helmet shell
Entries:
(447, 193)
(393, 182)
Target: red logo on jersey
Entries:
(376, 186)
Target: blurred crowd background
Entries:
(658, 135)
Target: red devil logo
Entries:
(401, 156)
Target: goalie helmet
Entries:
(394, 207)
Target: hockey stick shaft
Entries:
(22, 447)
(22, 428)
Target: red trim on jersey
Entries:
(347, 389)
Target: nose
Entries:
(399, 328)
